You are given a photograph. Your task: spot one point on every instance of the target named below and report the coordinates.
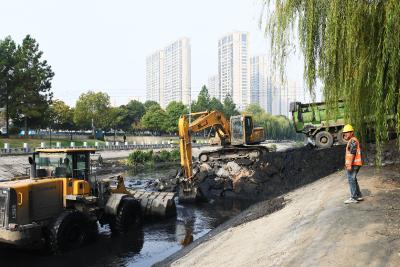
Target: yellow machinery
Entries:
(238, 139)
(61, 202)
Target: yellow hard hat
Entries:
(348, 128)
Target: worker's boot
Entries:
(350, 201)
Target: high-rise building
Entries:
(154, 76)
(285, 93)
(234, 68)
(177, 74)
(213, 87)
(260, 83)
(169, 73)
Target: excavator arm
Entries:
(203, 120)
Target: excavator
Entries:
(238, 138)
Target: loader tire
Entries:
(70, 231)
(324, 139)
(129, 216)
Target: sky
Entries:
(102, 45)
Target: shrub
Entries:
(164, 156)
(142, 157)
(175, 155)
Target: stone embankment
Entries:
(275, 173)
(266, 177)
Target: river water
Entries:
(153, 243)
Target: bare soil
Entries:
(314, 228)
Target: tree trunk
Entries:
(7, 119)
(26, 126)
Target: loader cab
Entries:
(61, 163)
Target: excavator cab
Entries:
(244, 132)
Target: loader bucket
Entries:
(155, 204)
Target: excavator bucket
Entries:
(187, 193)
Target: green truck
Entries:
(312, 120)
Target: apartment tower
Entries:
(234, 68)
(169, 73)
(260, 83)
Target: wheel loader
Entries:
(61, 203)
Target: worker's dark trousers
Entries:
(352, 178)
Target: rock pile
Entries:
(272, 175)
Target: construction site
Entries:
(283, 202)
(280, 147)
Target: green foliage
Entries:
(140, 157)
(276, 127)
(175, 155)
(90, 106)
(26, 79)
(215, 104)
(154, 119)
(229, 107)
(149, 103)
(255, 109)
(7, 78)
(61, 116)
(174, 110)
(33, 83)
(131, 115)
(352, 47)
(113, 118)
(163, 156)
(203, 101)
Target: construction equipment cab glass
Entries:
(242, 129)
(61, 163)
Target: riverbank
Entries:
(314, 228)
(11, 166)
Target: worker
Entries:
(353, 163)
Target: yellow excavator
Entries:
(238, 138)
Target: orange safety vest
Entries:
(357, 161)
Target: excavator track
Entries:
(232, 153)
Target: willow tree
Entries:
(352, 47)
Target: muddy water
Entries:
(154, 242)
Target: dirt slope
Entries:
(315, 228)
